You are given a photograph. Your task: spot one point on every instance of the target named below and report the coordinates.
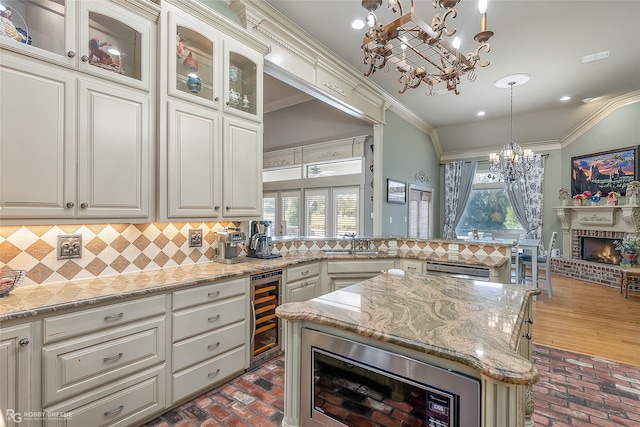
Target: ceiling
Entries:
(545, 39)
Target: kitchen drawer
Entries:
(360, 266)
(121, 403)
(412, 266)
(77, 365)
(194, 350)
(209, 293)
(80, 322)
(208, 374)
(302, 272)
(207, 317)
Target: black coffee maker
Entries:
(260, 242)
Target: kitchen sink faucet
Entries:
(352, 237)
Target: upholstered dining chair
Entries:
(515, 261)
(544, 260)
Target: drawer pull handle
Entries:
(111, 317)
(213, 318)
(112, 358)
(213, 294)
(114, 411)
(213, 346)
(304, 273)
(213, 374)
(411, 268)
(527, 336)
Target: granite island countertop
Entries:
(471, 322)
(29, 301)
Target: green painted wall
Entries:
(406, 151)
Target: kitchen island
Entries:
(477, 330)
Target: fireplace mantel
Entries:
(622, 218)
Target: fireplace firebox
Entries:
(599, 249)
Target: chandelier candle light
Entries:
(512, 162)
(417, 50)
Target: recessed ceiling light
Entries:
(443, 92)
(481, 113)
(357, 24)
(565, 98)
(595, 56)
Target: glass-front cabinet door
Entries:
(192, 68)
(41, 28)
(115, 43)
(98, 37)
(243, 82)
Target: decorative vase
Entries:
(577, 202)
(629, 259)
(632, 199)
(612, 201)
(565, 202)
(194, 84)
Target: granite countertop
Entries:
(471, 322)
(34, 300)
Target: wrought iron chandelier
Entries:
(512, 162)
(417, 50)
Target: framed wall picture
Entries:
(396, 191)
(605, 171)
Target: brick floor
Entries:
(574, 390)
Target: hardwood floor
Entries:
(587, 318)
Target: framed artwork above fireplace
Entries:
(605, 171)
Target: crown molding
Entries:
(597, 116)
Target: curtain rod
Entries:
(488, 161)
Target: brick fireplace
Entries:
(596, 227)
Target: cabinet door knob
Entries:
(217, 98)
(71, 54)
(84, 58)
(527, 336)
(227, 102)
(23, 341)
(216, 208)
(70, 205)
(84, 205)
(228, 208)
(529, 320)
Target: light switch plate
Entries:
(195, 237)
(69, 246)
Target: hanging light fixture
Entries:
(418, 51)
(512, 162)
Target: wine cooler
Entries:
(265, 297)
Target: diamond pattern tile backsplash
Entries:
(108, 249)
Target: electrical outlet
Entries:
(69, 246)
(195, 237)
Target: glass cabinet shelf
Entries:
(194, 63)
(242, 83)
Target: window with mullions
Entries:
(488, 208)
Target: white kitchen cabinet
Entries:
(61, 32)
(77, 134)
(105, 363)
(210, 336)
(243, 81)
(412, 265)
(343, 273)
(303, 283)
(193, 161)
(212, 166)
(241, 168)
(66, 159)
(16, 354)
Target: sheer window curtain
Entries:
(527, 201)
(458, 179)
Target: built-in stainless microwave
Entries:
(347, 383)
